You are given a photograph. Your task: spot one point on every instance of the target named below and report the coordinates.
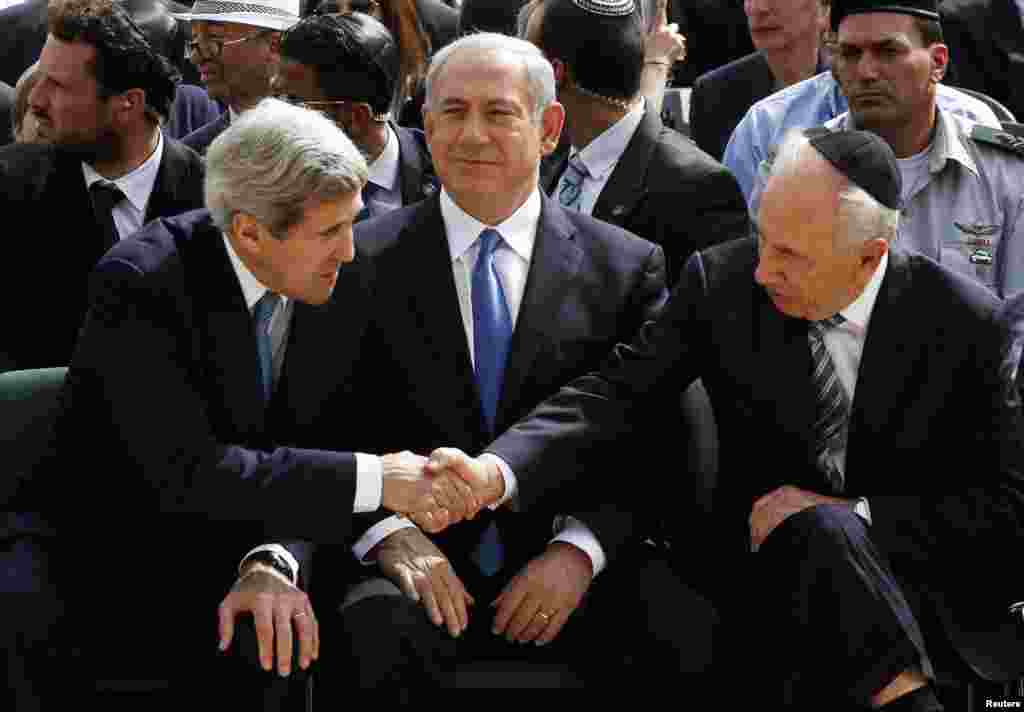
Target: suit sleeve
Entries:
(601, 409)
(977, 503)
(132, 388)
(612, 517)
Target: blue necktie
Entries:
(572, 183)
(261, 315)
(492, 334)
(370, 191)
(492, 328)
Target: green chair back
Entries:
(29, 402)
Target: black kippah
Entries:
(919, 8)
(865, 159)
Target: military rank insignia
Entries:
(995, 137)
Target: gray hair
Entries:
(861, 217)
(273, 159)
(540, 77)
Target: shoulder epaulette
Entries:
(995, 137)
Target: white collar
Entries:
(519, 230)
(601, 154)
(384, 169)
(858, 312)
(252, 289)
(138, 184)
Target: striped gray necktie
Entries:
(833, 406)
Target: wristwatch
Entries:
(274, 560)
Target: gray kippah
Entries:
(608, 8)
(864, 158)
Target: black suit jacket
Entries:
(200, 139)
(668, 191)
(43, 190)
(588, 285)
(166, 451)
(934, 442)
(416, 169)
(986, 48)
(721, 97)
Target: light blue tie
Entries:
(572, 183)
(370, 191)
(492, 334)
(261, 315)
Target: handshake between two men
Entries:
(434, 493)
(441, 490)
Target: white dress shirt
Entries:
(601, 155)
(512, 263)
(845, 344)
(384, 173)
(137, 186)
(369, 470)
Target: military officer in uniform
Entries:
(962, 181)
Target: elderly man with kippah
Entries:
(856, 502)
(237, 48)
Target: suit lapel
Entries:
(628, 181)
(171, 178)
(432, 304)
(782, 348)
(555, 263)
(66, 189)
(883, 370)
(229, 343)
(413, 171)
(323, 343)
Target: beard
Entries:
(99, 147)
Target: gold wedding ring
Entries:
(545, 616)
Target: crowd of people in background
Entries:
(408, 292)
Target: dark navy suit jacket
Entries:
(166, 449)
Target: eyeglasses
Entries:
(322, 105)
(212, 48)
(319, 105)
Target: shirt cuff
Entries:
(279, 550)
(376, 534)
(863, 509)
(369, 483)
(579, 535)
(507, 476)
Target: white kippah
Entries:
(608, 8)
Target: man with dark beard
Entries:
(101, 97)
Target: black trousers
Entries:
(638, 623)
(826, 623)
